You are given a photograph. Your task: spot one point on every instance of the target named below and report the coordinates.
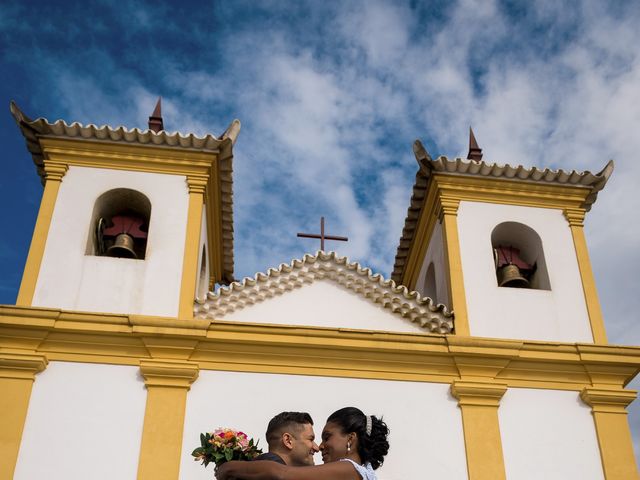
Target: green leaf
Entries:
(198, 451)
(228, 454)
(203, 439)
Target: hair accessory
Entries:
(369, 424)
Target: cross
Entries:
(322, 236)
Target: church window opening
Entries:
(519, 257)
(203, 277)
(120, 224)
(430, 288)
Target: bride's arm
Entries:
(266, 470)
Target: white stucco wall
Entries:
(324, 303)
(435, 254)
(558, 314)
(84, 421)
(548, 434)
(69, 279)
(426, 439)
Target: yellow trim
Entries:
(247, 347)
(457, 296)
(191, 246)
(483, 444)
(167, 386)
(575, 217)
(53, 177)
(612, 428)
(17, 372)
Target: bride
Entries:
(353, 446)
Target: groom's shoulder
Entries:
(271, 457)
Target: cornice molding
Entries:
(218, 345)
(54, 171)
(21, 365)
(608, 400)
(166, 373)
(478, 393)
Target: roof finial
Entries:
(475, 152)
(155, 120)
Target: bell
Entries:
(122, 247)
(510, 276)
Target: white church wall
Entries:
(426, 427)
(70, 279)
(558, 314)
(435, 255)
(324, 303)
(84, 421)
(548, 434)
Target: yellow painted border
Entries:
(54, 172)
(479, 404)
(192, 245)
(17, 372)
(167, 385)
(575, 217)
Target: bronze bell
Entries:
(122, 247)
(510, 276)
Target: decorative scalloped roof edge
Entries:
(32, 129)
(459, 166)
(351, 275)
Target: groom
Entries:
(291, 439)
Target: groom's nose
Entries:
(316, 449)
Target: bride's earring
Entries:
(348, 447)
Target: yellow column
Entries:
(449, 217)
(167, 385)
(479, 403)
(17, 372)
(54, 171)
(197, 187)
(608, 406)
(575, 217)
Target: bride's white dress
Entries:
(365, 471)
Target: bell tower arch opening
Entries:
(119, 225)
(519, 257)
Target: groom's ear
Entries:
(287, 440)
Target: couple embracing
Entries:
(353, 446)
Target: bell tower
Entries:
(503, 246)
(130, 221)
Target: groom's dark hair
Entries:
(284, 421)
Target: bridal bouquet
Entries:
(224, 445)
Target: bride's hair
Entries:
(373, 447)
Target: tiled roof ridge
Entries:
(573, 177)
(60, 127)
(352, 275)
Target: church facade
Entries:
(485, 352)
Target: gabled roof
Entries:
(328, 266)
(33, 130)
(464, 167)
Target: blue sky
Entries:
(331, 96)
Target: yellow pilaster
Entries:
(449, 216)
(167, 386)
(479, 403)
(575, 217)
(54, 171)
(197, 187)
(608, 406)
(17, 372)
